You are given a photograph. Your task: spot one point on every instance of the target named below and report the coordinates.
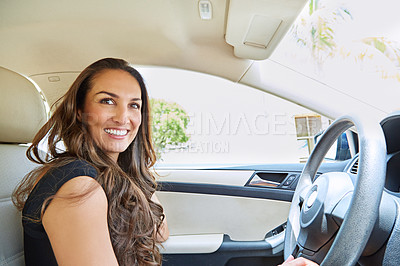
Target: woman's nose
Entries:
(121, 115)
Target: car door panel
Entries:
(232, 253)
(243, 219)
(192, 244)
(219, 216)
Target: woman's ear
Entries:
(79, 115)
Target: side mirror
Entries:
(342, 148)
(342, 151)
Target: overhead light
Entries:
(54, 78)
(205, 9)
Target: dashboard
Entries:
(391, 129)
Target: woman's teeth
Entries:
(116, 132)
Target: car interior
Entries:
(338, 212)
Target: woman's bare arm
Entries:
(78, 230)
(163, 232)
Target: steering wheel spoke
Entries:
(340, 210)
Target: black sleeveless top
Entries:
(37, 246)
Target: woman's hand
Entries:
(291, 261)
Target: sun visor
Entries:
(255, 27)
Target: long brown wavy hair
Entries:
(133, 218)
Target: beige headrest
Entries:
(22, 108)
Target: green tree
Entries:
(317, 29)
(389, 48)
(169, 126)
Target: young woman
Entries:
(94, 203)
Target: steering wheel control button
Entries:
(311, 199)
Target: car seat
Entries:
(22, 113)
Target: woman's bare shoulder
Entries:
(76, 223)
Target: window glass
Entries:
(340, 44)
(201, 119)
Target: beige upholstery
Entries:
(22, 110)
(22, 113)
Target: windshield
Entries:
(352, 46)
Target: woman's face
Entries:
(112, 111)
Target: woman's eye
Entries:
(135, 105)
(107, 101)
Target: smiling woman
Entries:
(95, 199)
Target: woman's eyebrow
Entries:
(109, 93)
(116, 96)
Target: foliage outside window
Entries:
(169, 126)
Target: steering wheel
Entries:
(331, 217)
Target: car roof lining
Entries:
(42, 37)
(53, 36)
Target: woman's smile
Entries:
(116, 132)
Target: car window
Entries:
(338, 44)
(201, 119)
